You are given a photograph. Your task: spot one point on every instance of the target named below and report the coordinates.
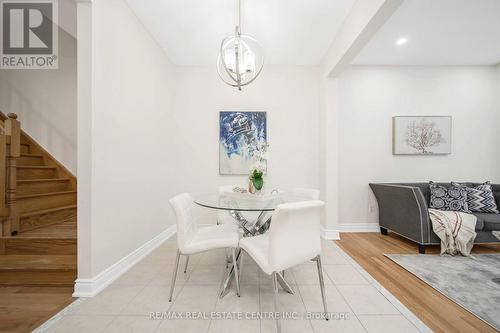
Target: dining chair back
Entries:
(184, 209)
(293, 238)
(186, 222)
(294, 234)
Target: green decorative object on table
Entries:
(257, 179)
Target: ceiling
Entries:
(439, 32)
(292, 32)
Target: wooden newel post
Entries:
(12, 129)
(4, 211)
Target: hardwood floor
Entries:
(22, 309)
(434, 309)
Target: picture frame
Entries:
(241, 134)
(421, 135)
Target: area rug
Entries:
(467, 281)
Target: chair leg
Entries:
(322, 284)
(174, 275)
(186, 265)
(236, 275)
(240, 267)
(275, 290)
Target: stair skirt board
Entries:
(90, 287)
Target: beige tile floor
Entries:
(125, 306)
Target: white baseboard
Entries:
(93, 286)
(330, 234)
(359, 227)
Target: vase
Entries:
(258, 183)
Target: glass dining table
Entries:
(253, 214)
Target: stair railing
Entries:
(10, 150)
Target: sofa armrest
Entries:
(496, 193)
(403, 209)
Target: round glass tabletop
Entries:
(247, 202)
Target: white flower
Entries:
(260, 157)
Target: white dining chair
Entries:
(311, 193)
(293, 238)
(223, 217)
(191, 239)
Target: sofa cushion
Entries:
(480, 198)
(479, 222)
(448, 198)
(491, 221)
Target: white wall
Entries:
(328, 157)
(45, 101)
(289, 95)
(498, 111)
(126, 136)
(370, 96)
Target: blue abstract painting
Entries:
(241, 134)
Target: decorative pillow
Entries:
(448, 198)
(480, 198)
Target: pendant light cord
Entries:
(239, 17)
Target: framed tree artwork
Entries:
(421, 135)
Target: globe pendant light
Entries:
(240, 58)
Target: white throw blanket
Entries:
(455, 229)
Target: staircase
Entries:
(38, 241)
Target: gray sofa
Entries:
(403, 209)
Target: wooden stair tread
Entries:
(33, 235)
(50, 210)
(46, 200)
(40, 245)
(39, 220)
(35, 167)
(37, 262)
(31, 155)
(44, 194)
(57, 230)
(42, 180)
(43, 185)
